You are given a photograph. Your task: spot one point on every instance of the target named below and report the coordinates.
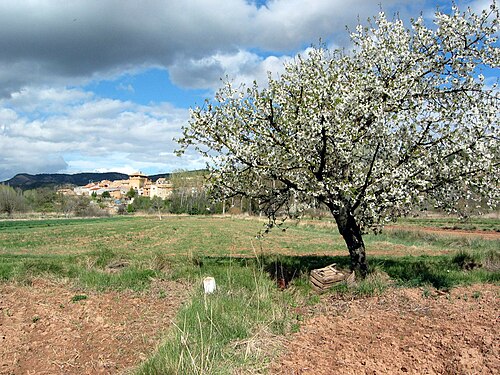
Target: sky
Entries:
(106, 85)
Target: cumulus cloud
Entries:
(50, 49)
(86, 133)
(241, 66)
(48, 42)
(46, 100)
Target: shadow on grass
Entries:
(441, 272)
(285, 269)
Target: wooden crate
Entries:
(323, 278)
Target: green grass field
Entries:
(473, 223)
(191, 247)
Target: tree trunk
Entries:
(351, 233)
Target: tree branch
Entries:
(367, 179)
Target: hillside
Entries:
(26, 181)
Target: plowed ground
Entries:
(405, 331)
(44, 329)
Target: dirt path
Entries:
(401, 332)
(42, 331)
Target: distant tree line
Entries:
(47, 200)
(11, 200)
(189, 196)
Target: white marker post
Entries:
(209, 285)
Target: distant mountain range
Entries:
(25, 181)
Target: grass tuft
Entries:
(491, 261)
(222, 332)
(78, 297)
(132, 278)
(374, 284)
(466, 260)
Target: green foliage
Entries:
(374, 284)
(121, 209)
(23, 268)
(43, 267)
(29, 225)
(131, 193)
(439, 271)
(6, 270)
(43, 200)
(158, 203)
(11, 201)
(190, 195)
(47, 200)
(192, 203)
(141, 203)
(84, 208)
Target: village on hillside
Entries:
(118, 189)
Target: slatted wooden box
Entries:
(324, 278)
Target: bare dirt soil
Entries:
(404, 331)
(45, 329)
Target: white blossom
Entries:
(405, 118)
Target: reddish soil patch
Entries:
(401, 332)
(42, 331)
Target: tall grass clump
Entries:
(441, 272)
(133, 278)
(221, 332)
(94, 271)
(491, 260)
(22, 268)
(374, 284)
